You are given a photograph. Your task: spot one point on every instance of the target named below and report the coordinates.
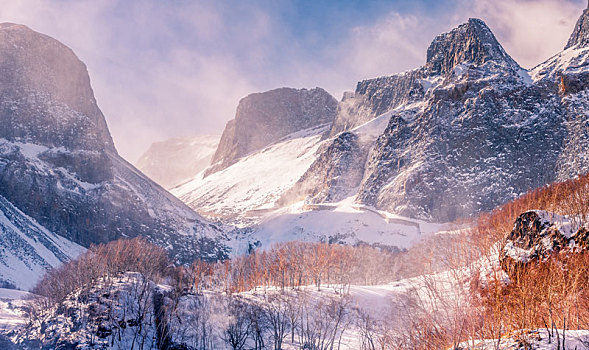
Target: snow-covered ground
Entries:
(11, 302)
(572, 60)
(247, 194)
(537, 339)
(382, 304)
(343, 222)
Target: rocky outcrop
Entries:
(537, 235)
(264, 118)
(464, 131)
(471, 43)
(58, 163)
(45, 93)
(374, 97)
(177, 160)
(580, 36)
(337, 163)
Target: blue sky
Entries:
(164, 69)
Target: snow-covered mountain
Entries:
(59, 166)
(264, 118)
(466, 132)
(176, 160)
(469, 130)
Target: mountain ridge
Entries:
(275, 114)
(467, 131)
(58, 163)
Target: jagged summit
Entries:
(580, 36)
(36, 69)
(470, 42)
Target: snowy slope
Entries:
(342, 222)
(253, 184)
(27, 249)
(11, 302)
(259, 194)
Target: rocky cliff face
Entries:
(472, 42)
(39, 79)
(568, 74)
(58, 163)
(467, 131)
(580, 36)
(264, 118)
(177, 160)
(336, 163)
(374, 97)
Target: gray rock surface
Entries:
(334, 174)
(537, 235)
(468, 131)
(580, 36)
(264, 118)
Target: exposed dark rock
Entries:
(480, 132)
(537, 235)
(335, 174)
(262, 119)
(472, 42)
(374, 97)
(580, 36)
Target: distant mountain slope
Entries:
(176, 160)
(252, 185)
(264, 118)
(58, 163)
(256, 193)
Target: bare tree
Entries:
(237, 331)
(276, 311)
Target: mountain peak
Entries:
(39, 70)
(265, 117)
(471, 42)
(580, 36)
